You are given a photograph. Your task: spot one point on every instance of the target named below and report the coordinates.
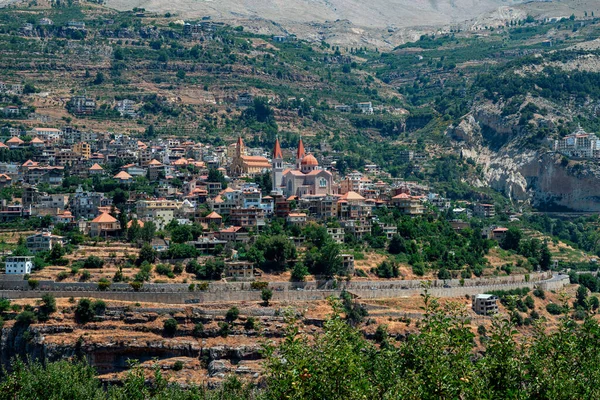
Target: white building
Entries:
(579, 144)
(18, 265)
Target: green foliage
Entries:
(250, 324)
(104, 284)
(266, 295)
(84, 312)
(178, 365)
(170, 327)
(555, 309)
(198, 330)
(147, 253)
(299, 272)
(26, 318)
(232, 314)
(387, 269)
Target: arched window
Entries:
(323, 183)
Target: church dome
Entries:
(310, 160)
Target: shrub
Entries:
(381, 334)
(84, 312)
(62, 276)
(178, 365)
(232, 314)
(48, 304)
(192, 287)
(170, 327)
(26, 318)
(266, 295)
(198, 330)
(163, 269)
(136, 285)
(103, 284)
(250, 323)
(99, 307)
(202, 286)
(259, 285)
(224, 329)
(529, 302)
(33, 283)
(4, 305)
(93, 262)
(554, 309)
(418, 269)
(85, 275)
(538, 292)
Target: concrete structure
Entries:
(18, 265)
(485, 304)
(43, 241)
(239, 270)
(482, 210)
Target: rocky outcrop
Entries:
(524, 172)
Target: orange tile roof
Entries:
(96, 167)
(123, 176)
(104, 218)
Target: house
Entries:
(298, 219)
(123, 177)
(14, 142)
(37, 143)
(234, 234)
(407, 204)
(248, 217)
(5, 180)
(96, 169)
(43, 241)
(365, 108)
(18, 265)
(484, 210)
(64, 218)
(104, 225)
(207, 245)
(86, 204)
(46, 133)
(211, 219)
(239, 270)
(245, 100)
(485, 304)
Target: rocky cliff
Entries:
(522, 166)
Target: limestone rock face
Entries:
(524, 168)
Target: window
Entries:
(323, 182)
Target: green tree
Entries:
(147, 253)
(266, 295)
(170, 327)
(84, 311)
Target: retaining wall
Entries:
(279, 295)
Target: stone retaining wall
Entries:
(278, 295)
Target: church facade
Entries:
(307, 178)
(245, 165)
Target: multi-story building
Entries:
(408, 205)
(43, 241)
(482, 210)
(579, 145)
(485, 304)
(85, 204)
(83, 149)
(159, 211)
(248, 217)
(18, 265)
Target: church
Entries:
(307, 178)
(245, 165)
